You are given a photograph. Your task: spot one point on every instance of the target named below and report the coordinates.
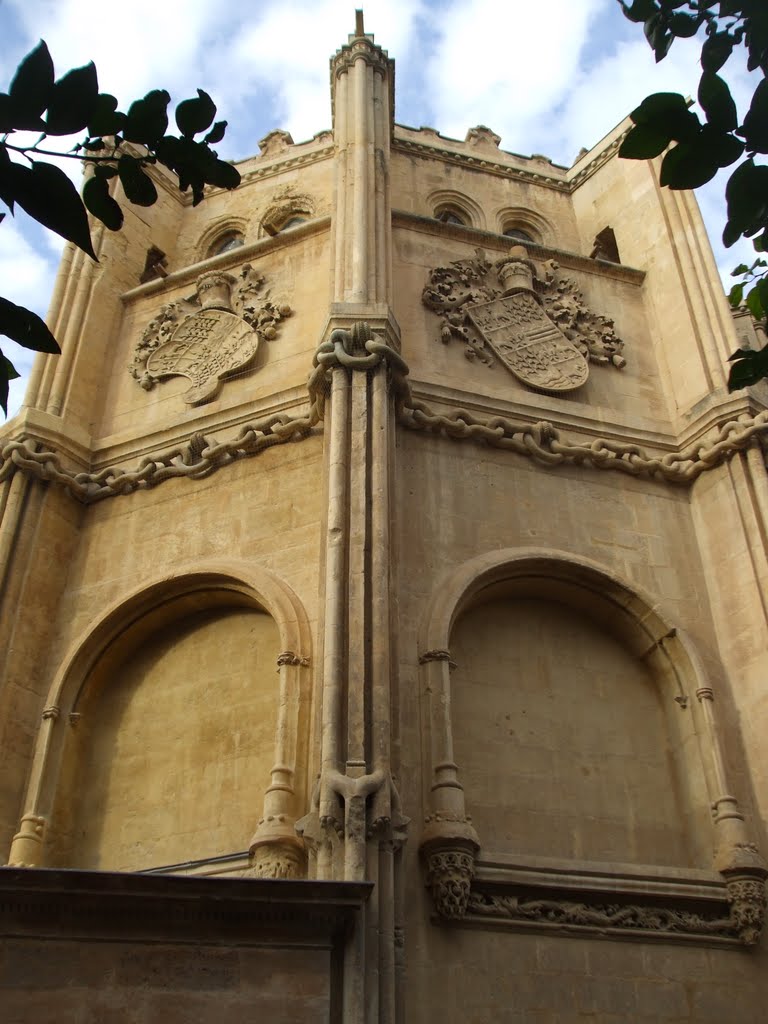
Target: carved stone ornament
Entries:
(537, 325)
(449, 847)
(449, 879)
(575, 915)
(210, 336)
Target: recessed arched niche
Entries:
(576, 773)
(171, 740)
(567, 745)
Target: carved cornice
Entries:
(500, 243)
(451, 156)
(364, 49)
(289, 163)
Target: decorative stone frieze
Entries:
(588, 916)
(209, 336)
(536, 323)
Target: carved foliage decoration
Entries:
(209, 336)
(536, 323)
(738, 917)
(575, 914)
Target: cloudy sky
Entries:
(548, 77)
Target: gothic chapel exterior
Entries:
(384, 601)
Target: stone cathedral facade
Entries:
(384, 601)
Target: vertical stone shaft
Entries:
(356, 720)
(362, 82)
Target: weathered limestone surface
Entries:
(383, 550)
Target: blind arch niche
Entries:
(574, 768)
(190, 701)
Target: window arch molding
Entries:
(160, 602)
(450, 201)
(450, 846)
(217, 233)
(279, 215)
(518, 217)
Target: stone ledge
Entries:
(42, 903)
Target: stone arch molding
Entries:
(275, 849)
(728, 901)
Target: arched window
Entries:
(227, 242)
(520, 233)
(293, 222)
(449, 215)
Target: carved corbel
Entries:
(449, 849)
(276, 851)
(746, 894)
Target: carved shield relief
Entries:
(537, 326)
(209, 337)
(526, 341)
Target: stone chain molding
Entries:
(359, 349)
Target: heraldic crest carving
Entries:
(210, 336)
(539, 327)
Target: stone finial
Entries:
(275, 142)
(480, 135)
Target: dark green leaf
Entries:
(746, 193)
(73, 101)
(8, 372)
(220, 173)
(31, 88)
(684, 26)
(658, 35)
(756, 121)
(216, 134)
(747, 368)
(755, 303)
(639, 10)
(6, 113)
(667, 113)
(687, 166)
(138, 187)
(643, 142)
(193, 116)
(7, 178)
(26, 328)
(722, 147)
(106, 119)
(717, 103)
(47, 194)
(105, 171)
(736, 295)
(715, 51)
(147, 119)
(741, 269)
(101, 204)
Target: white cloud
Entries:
(27, 279)
(506, 65)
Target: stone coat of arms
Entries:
(210, 336)
(538, 327)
